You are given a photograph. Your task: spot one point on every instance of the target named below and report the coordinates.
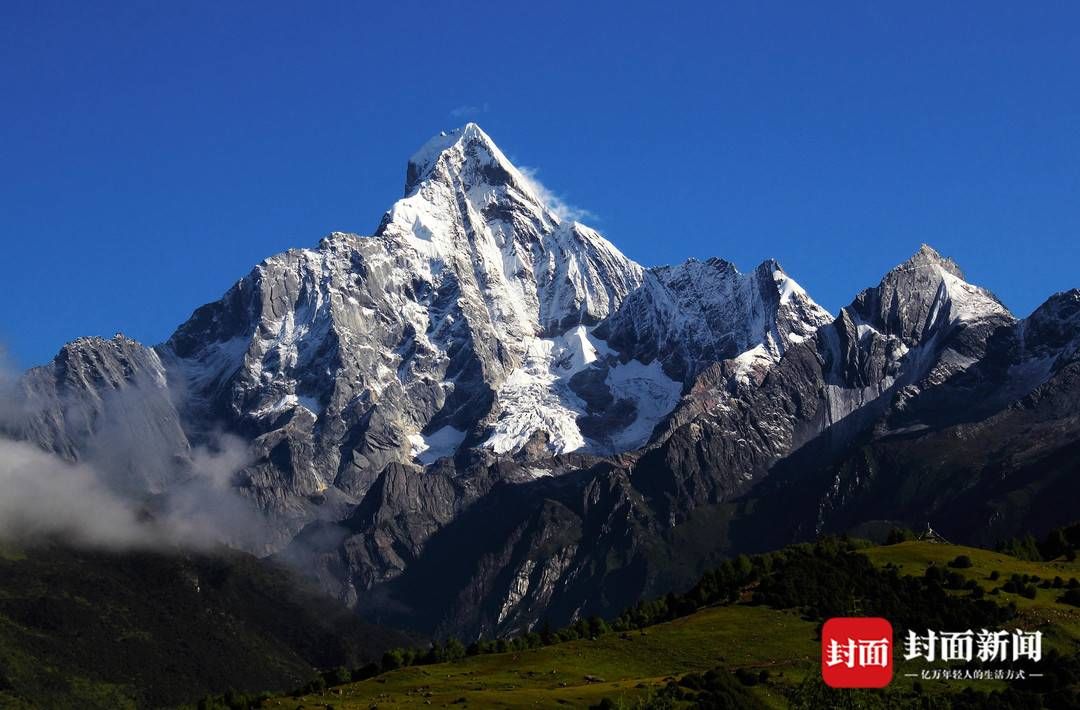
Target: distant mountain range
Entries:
(484, 415)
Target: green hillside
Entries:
(1059, 622)
(582, 673)
(760, 628)
(92, 629)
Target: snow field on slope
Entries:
(537, 396)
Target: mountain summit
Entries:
(467, 207)
(484, 413)
(475, 320)
(449, 150)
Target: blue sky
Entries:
(152, 153)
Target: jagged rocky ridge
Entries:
(484, 415)
(821, 442)
(464, 326)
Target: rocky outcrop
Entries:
(484, 415)
(466, 328)
(108, 403)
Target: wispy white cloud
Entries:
(47, 497)
(555, 203)
(467, 110)
(110, 497)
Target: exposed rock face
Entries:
(484, 415)
(984, 454)
(106, 402)
(698, 313)
(919, 327)
(460, 326)
(923, 399)
(365, 351)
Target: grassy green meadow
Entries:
(630, 667)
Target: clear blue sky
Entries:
(152, 153)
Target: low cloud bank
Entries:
(136, 485)
(45, 497)
(42, 496)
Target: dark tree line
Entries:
(1059, 542)
(821, 580)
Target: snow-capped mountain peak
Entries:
(928, 256)
(468, 208)
(700, 312)
(399, 343)
(922, 296)
(467, 146)
(475, 317)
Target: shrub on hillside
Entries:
(961, 562)
(1072, 597)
